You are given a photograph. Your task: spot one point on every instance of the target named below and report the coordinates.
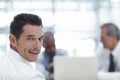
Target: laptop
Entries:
(75, 68)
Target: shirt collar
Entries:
(16, 55)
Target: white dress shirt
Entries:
(103, 58)
(14, 67)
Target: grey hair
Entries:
(112, 29)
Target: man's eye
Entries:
(30, 39)
(40, 39)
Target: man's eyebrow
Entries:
(30, 35)
(34, 35)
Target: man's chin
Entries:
(32, 60)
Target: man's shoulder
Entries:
(4, 74)
(3, 58)
(61, 52)
(103, 52)
(42, 55)
(5, 69)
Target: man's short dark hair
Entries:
(16, 26)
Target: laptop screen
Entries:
(75, 68)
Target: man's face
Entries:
(105, 39)
(29, 43)
(49, 45)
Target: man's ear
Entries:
(13, 40)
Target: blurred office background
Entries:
(75, 23)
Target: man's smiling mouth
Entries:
(34, 52)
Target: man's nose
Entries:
(37, 44)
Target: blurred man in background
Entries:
(109, 56)
(45, 61)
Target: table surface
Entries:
(108, 76)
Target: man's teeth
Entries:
(33, 52)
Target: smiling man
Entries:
(25, 38)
